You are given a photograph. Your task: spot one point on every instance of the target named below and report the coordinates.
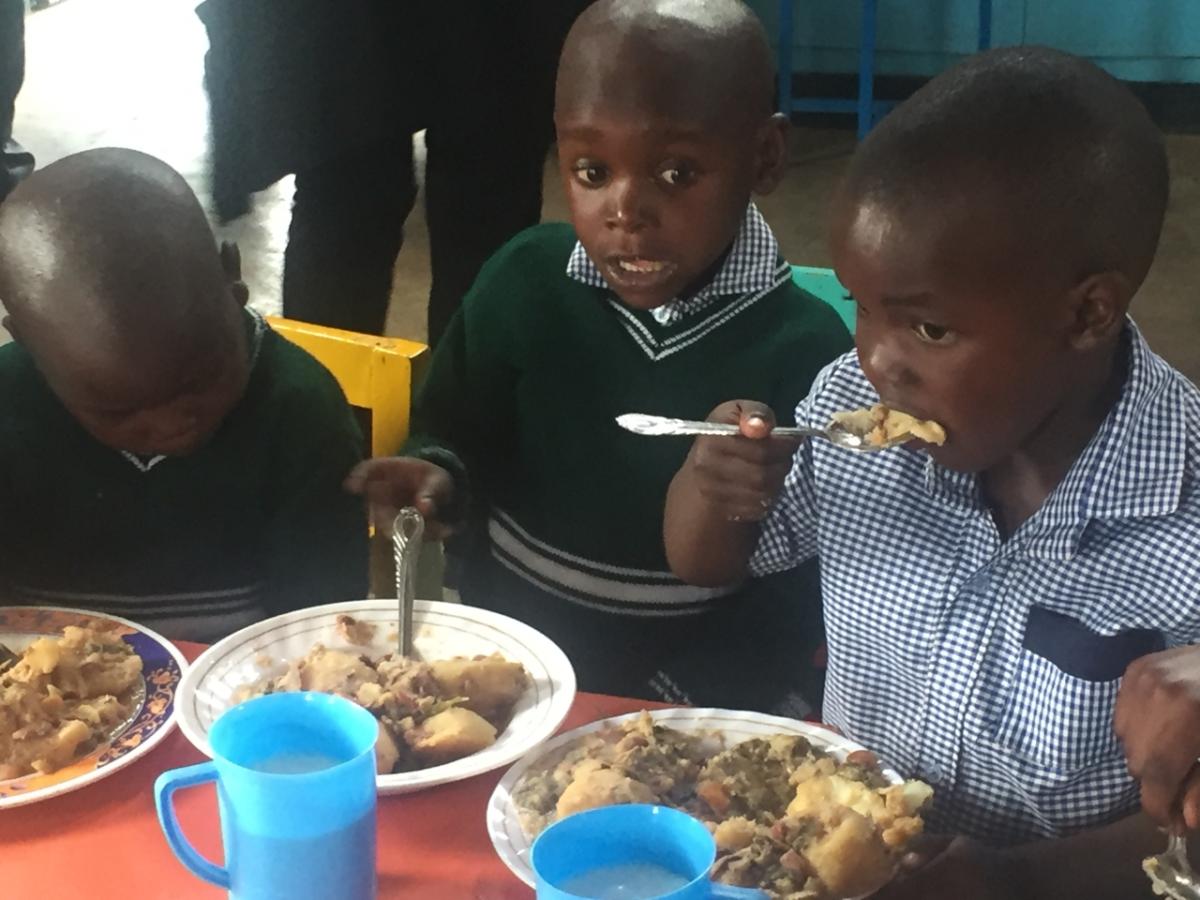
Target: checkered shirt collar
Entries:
(750, 266)
(1133, 467)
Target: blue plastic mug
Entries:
(295, 776)
(635, 852)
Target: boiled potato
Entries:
(387, 754)
(335, 672)
(851, 859)
(596, 785)
(451, 734)
(489, 683)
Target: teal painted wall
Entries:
(1138, 40)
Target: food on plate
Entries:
(787, 816)
(429, 712)
(879, 425)
(62, 697)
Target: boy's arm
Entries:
(317, 543)
(464, 413)
(1158, 721)
(1099, 864)
(717, 500)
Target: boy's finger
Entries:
(756, 420)
(1190, 805)
(751, 475)
(923, 849)
(758, 452)
(1162, 779)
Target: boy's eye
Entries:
(590, 174)
(676, 175)
(933, 334)
(859, 311)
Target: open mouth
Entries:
(639, 271)
(642, 266)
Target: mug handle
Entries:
(730, 892)
(164, 787)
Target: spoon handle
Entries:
(660, 425)
(406, 542)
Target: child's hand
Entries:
(741, 476)
(392, 483)
(1158, 720)
(955, 869)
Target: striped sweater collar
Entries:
(750, 267)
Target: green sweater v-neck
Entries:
(253, 523)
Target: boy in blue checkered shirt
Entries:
(983, 598)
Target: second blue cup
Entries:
(634, 852)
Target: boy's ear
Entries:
(231, 264)
(771, 153)
(1099, 303)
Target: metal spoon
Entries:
(1170, 872)
(835, 433)
(406, 542)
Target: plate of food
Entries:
(481, 691)
(796, 810)
(82, 695)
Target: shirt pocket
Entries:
(1058, 708)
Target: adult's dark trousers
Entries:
(488, 94)
(15, 161)
(348, 222)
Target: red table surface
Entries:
(104, 841)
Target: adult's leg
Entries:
(347, 226)
(488, 140)
(16, 162)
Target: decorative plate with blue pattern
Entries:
(162, 670)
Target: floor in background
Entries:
(128, 73)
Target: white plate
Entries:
(504, 825)
(442, 630)
(162, 670)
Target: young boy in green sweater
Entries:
(664, 294)
(164, 455)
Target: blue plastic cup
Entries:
(295, 776)
(635, 852)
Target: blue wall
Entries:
(1139, 40)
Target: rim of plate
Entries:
(504, 827)
(554, 686)
(162, 725)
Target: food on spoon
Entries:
(429, 712)
(63, 697)
(879, 425)
(787, 817)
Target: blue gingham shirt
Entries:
(990, 667)
(752, 265)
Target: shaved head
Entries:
(704, 61)
(1049, 143)
(113, 240)
(114, 285)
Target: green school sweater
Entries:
(253, 523)
(522, 395)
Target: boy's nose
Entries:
(884, 363)
(628, 210)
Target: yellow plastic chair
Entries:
(379, 375)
